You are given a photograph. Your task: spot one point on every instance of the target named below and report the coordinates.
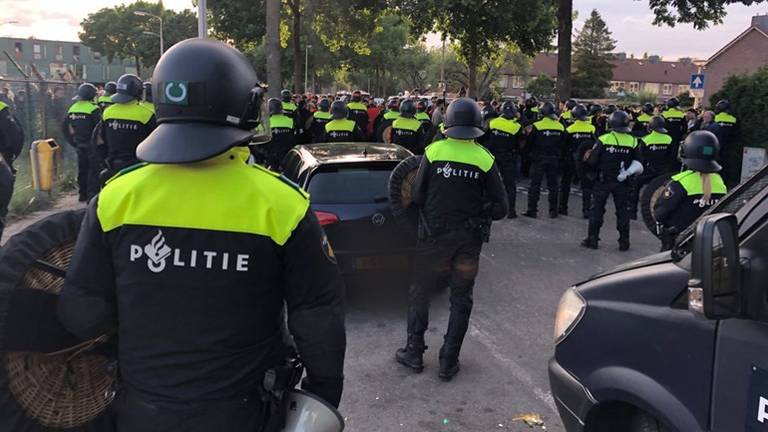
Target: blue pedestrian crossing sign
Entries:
(697, 82)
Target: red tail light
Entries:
(326, 218)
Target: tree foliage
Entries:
(542, 86)
(591, 58)
(480, 30)
(700, 13)
(747, 95)
(240, 21)
(117, 32)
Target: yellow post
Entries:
(44, 156)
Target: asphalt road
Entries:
(524, 270)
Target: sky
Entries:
(629, 20)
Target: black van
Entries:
(676, 341)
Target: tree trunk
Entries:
(564, 30)
(472, 87)
(274, 79)
(298, 61)
(138, 65)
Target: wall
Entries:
(744, 57)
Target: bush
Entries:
(748, 95)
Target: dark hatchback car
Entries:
(348, 185)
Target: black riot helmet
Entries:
(339, 110)
(285, 95)
(324, 105)
(673, 103)
(274, 106)
(208, 101)
(531, 102)
(700, 151)
(619, 122)
(147, 91)
(421, 105)
(548, 110)
(489, 112)
(509, 110)
(723, 106)
(110, 88)
(657, 124)
(86, 92)
(595, 109)
(610, 109)
(129, 87)
(393, 104)
(579, 112)
(648, 108)
(408, 108)
(570, 104)
(357, 96)
(463, 119)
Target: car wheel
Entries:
(400, 192)
(643, 422)
(49, 380)
(648, 197)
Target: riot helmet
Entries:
(579, 112)
(657, 124)
(339, 110)
(147, 91)
(324, 105)
(570, 104)
(407, 108)
(285, 95)
(463, 119)
(673, 103)
(700, 152)
(648, 109)
(619, 122)
(548, 110)
(509, 110)
(86, 92)
(274, 106)
(129, 87)
(723, 106)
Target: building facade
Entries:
(743, 55)
(651, 75)
(59, 60)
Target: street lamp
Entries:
(147, 14)
(306, 68)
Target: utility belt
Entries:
(113, 166)
(479, 226)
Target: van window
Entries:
(353, 185)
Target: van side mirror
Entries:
(714, 289)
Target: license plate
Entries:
(380, 262)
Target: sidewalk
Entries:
(66, 202)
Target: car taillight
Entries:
(326, 218)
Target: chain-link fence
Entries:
(40, 107)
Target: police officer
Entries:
(579, 137)
(358, 111)
(147, 99)
(78, 126)
(676, 124)
(730, 148)
(320, 118)
(458, 190)
(105, 99)
(658, 158)
(596, 117)
(567, 116)
(489, 113)
(615, 156)
(406, 130)
(386, 118)
(422, 115)
(283, 134)
(290, 109)
(11, 144)
(125, 124)
(191, 257)
(640, 128)
(341, 128)
(502, 137)
(693, 191)
(546, 146)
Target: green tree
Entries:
(747, 95)
(117, 32)
(480, 30)
(240, 21)
(700, 13)
(591, 58)
(685, 99)
(542, 86)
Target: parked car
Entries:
(677, 341)
(348, 186)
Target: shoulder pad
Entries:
(127, 170)
(293, 185)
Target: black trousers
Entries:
(84, 168)
(7, 180)
(587, 185)
(621, 193)
(510, 171)
(568, 171)
(451, 259)
(235, 415)
(539, 169)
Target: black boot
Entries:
(590, 243)
(553, 214)
(530, 214)
(449, 362)
(624, 244)
(512, 214)
(412, 356)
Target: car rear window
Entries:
(352, 185)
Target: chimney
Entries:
(761, 22)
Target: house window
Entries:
(518, 82)
(76, 53)
(667, 89)
(60, 52)
(683, 89)
(651, 88)
(617, 86)
(634, 87)
(18, 50)
(37, 51)
(96, 56)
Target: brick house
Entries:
(743, 55)
(664, 78)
